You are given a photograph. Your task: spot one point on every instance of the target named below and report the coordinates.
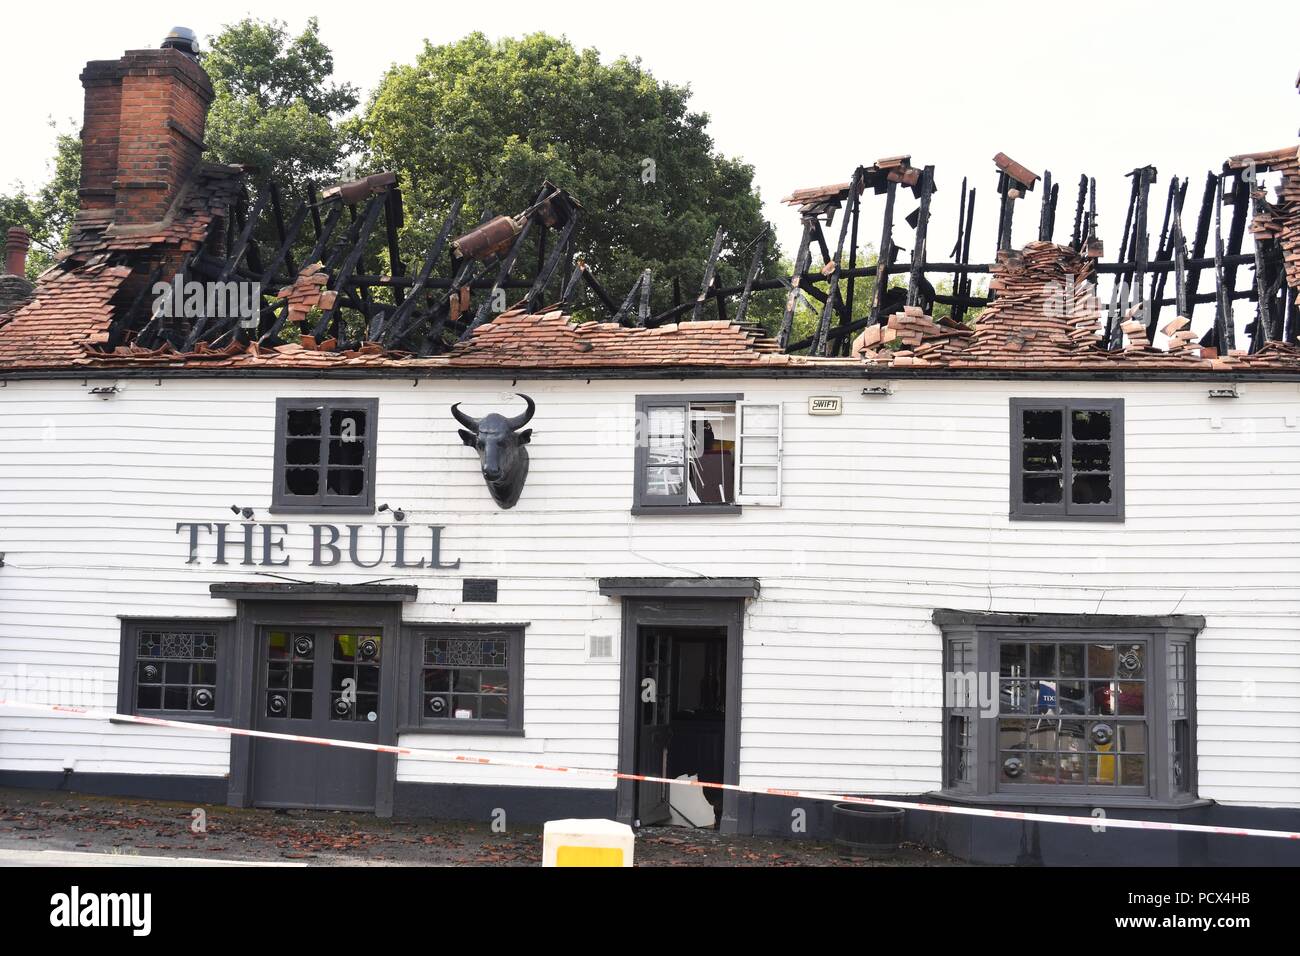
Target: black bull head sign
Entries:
(501, 452)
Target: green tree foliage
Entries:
(276, 107)
(488, 122)
(47, 212)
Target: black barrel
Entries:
(866, 831)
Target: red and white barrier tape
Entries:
(447, 757)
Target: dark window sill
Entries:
(677, 510)
(187, 716)
(458, 728)
(321, 509)
(1115, 801)
(1111, 519)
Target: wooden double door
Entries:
(324, 682)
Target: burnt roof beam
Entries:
(368, 219)
(533, 299)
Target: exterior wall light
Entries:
(398, 513)
(246, 512)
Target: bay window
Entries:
(1068, 708)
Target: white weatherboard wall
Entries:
(890, 510)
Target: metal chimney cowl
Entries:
(183, 39)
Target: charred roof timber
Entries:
(468, 275)
(334, 278)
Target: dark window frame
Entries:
(1180, 702)
(959, 652)
(1066, 509)
(645, 504)
(987, 631)
(282, 502)
(411, 716)
(222, 627)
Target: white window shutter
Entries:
(758, 456)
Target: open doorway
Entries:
(680, 708)
(681, 723)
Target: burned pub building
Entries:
(1018, 533)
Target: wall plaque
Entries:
(479, 590)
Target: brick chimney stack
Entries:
(17, 242)
(143, 132)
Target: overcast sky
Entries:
(805, 91)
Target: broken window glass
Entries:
(302, 451)
(348, 423)
(1090, 425)
(346, 481)
(304, 421)
(1042, 456)
(1042, 489)
(302, 481)
(1090, 489)
(324, 454)
(1052, 457)
(1090, 456)
(347, 452)
(1044, 424)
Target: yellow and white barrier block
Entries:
(587, 843)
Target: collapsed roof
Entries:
(501, 293)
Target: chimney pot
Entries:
(17, 242)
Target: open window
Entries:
(706, 454)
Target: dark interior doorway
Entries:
(681, 722)
(691, 646)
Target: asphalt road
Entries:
(34, 856)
